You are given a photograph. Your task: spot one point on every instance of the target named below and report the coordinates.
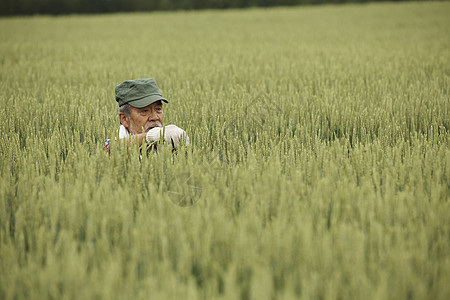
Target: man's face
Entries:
(143, 119)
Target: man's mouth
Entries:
(151, 126)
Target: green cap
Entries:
(138, 93)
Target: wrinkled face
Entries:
(143, 119)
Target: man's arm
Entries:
(172, 134)
(140, 138)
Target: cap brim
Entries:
(143, 102)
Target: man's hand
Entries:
(172, 134)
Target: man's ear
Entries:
(124, 120)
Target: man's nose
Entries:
(152, 116)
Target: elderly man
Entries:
(141, 113)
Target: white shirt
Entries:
(123, 132)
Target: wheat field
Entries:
(318, 168)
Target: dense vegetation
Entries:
(12, 7)
(318, 168)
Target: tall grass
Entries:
(318, 168)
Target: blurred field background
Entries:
(318, 168)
